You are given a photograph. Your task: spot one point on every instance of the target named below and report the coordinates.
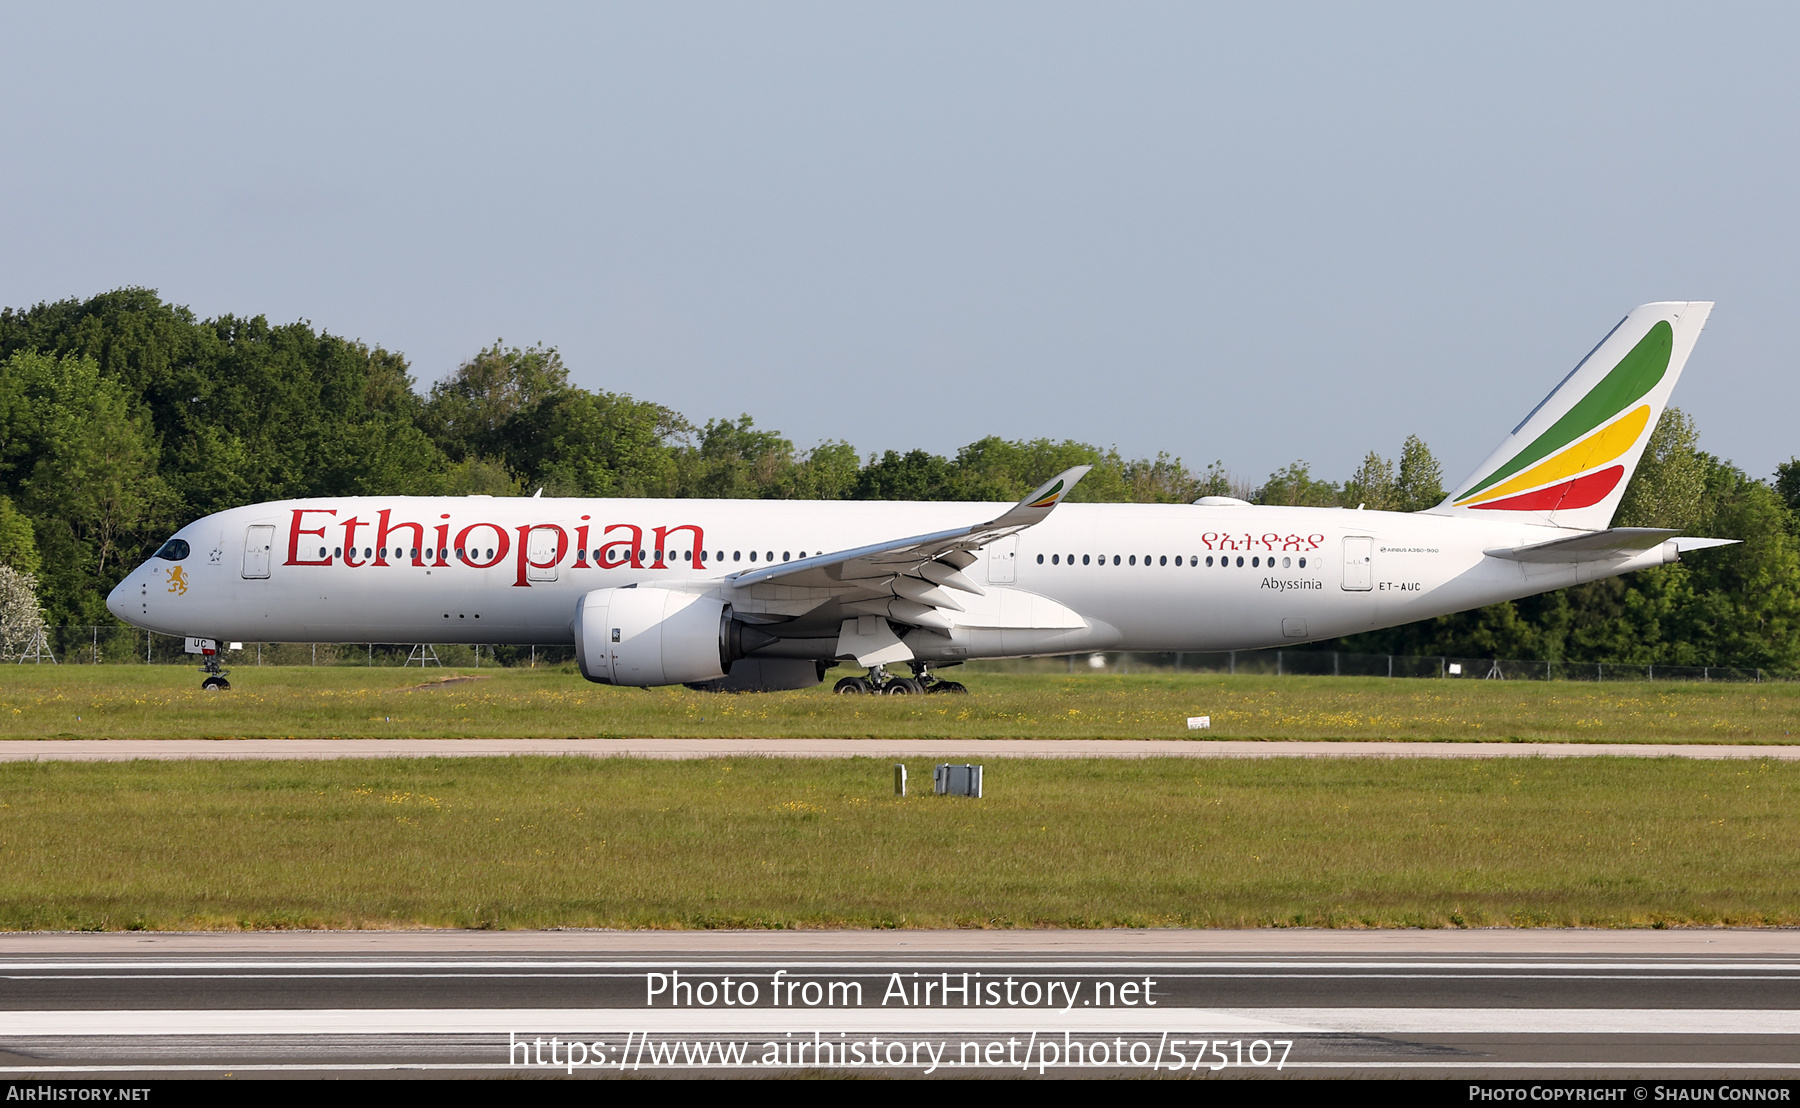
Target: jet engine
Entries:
(645, 636)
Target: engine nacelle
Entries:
(645, 636)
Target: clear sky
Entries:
(1255, 233)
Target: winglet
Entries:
(1035, 507)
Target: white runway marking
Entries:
(763, 1023)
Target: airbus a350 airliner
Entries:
(759, 594)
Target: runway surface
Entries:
(1463, 1004)
(119, 750)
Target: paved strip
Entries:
(762, 1022)
(123, 750)
(1413, 1070)
(1526, 942)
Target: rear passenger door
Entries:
(1359, 556)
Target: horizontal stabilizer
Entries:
(1594, 546)
(1685, 545)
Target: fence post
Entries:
(1334, 664)
(1234, 663)
(1278, 663)
(96, 644)
(1390, 665)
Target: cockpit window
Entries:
(174, 550)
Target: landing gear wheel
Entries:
(904, 686)
(852, 686)
(949, 687)
(214, 684)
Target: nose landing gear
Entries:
(215, 673)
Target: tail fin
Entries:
(1568, 462)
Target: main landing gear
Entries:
(878, 683)
(215, 673)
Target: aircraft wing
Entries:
(914, 576)
(1598, 546)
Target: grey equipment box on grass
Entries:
(949, 780)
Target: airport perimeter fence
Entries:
(122, 645)
(1331, 663)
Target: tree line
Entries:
(123, 417)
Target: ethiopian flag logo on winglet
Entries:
(1048, 498)
(1553, 471)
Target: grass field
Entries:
(273, 702)
(538, 842)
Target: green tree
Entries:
(579, 443)
(828, 472)
(1667, 489)
(1419, 483)
(915, 475)
(734, 460)
(18, 544)
(1787, 483)
(1372, 485)
(85, 473)
(469, 410)
(480, 477)
(1294, 486)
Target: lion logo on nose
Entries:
(178, 581)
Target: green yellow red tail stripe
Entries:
(1601, 427)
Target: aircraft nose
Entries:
(117, 599)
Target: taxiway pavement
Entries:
(123, 750)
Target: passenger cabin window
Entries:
(176, 549)
(737, 555)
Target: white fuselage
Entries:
(1090, 577)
